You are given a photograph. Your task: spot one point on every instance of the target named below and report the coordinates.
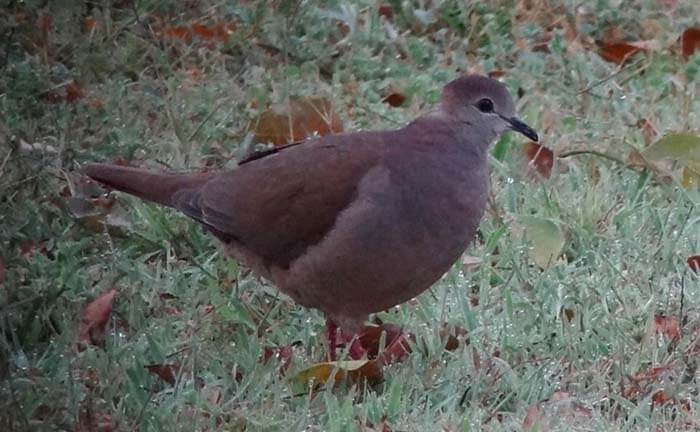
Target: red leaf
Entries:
(694, 263)
(539, 157)
(531, 417)
(95, 316)
(166, 372)
(29, 248)
(90, 23)
(385, 10)
(648, 130)
(690, 41)
(451, 337)
(283, 353)
(394, 99)
(179, 32)
(618, 52)
(74, 92)
(497, 73)
(667, 326)
(659, 398)
(396, 342)
(296, 120)
(44, 23)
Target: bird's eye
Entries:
(485, 105)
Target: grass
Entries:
(563, 347)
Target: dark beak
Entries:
(519, 126)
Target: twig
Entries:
(594, 153)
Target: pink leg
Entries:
(332, 338)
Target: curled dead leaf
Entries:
(394, 99)
(94, 317)
(351, 371)
(618, 52)
(667, 326)
(690, 41)
(296, 120)
(452, 337)
(165, 372)
(396, 344)
(694, 263)
(539, 157)
(283, 354)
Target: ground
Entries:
(577, 304)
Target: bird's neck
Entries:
(437, 131)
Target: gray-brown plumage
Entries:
(354, 223)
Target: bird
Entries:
(353, 223)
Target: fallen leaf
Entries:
(635, 159)
(396, 347)
(166, 372)
(94, 317)
(690, 176)
(385, 10)
(496, 73)
(90, 23)
(546, 240)
(29, 249)
(179, 32)
(681, 146)
(659, 398)
(295, 121)
(648, 130)
(351, 371)
(539, 157)
(690, 41)
(667, 326)
(618, 52)
(694, 263)
(453, 337)
(220, 31)
(283, 354)
(531, 417)
(74, 92)
(394, 99)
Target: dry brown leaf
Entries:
(618, 52)
(396, 347)
(539, 157)
(394, 99)
(531, 417)
(667, 326)
(648, 130)
(283, 354)
(166, 372)
(94, 317)
(690, 41)
(385, 10)
(694, 263)
(295, 121)
(453, 337)
(351, 371)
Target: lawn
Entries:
(577, 307)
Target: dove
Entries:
(354, 223)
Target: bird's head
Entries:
(484, 104)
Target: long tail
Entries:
(147, 185)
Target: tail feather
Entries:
(148, 185)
